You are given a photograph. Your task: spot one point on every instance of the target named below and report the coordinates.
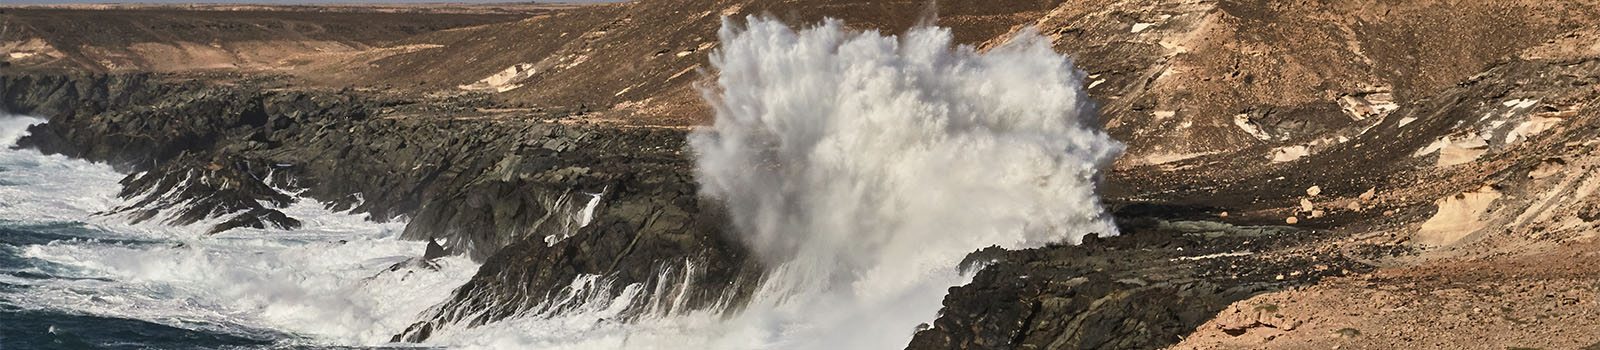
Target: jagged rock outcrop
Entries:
(1232, 110)
(476, 185)
(653, 230)
(1141, 290)
(1145, 289)
(541, 203)
(180, 193)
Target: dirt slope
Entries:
(1179, 79)
(167, 39)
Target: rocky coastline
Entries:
(503, 192)
(498, 190)
(1278, 154)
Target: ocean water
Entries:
(860, 167)
(74, 277)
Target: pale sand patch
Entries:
(1458, 216)
(1462, 151)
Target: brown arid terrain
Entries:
(1540, 300)
(173, 39)
(1345, 174)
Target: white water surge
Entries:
(862, 168)
(325, 284)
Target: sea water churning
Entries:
(861, 168)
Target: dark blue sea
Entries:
(75, 274)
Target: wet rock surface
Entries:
(1234, 110)
(182, 193)
(510, 193)
(474, 184)
(652, 230)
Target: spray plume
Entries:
(861, 168)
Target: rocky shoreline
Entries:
(504, 191)
(1284, 159)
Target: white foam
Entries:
(571, 218)
(863, 168)
(595, 320)
(12, 128)
(32, 184)
(587, 214)
(326, 284)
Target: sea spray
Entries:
(13, 128)
(339, 280)
(861, 168)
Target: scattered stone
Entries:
(1369, 194)
(1314, 191)
(1356, 206)
(1292, 220)
(1590, 212)
(1306, 206)
(1347, 332)
(1317, 214)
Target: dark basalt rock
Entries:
(496, 188)
(493, 189)
(435, 250)
(327, 143)
(188, 191)
(650, 230)
(1142, 290)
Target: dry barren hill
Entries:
(1438, 162)
(638, 61)
(1179, 79)
(170, 39)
